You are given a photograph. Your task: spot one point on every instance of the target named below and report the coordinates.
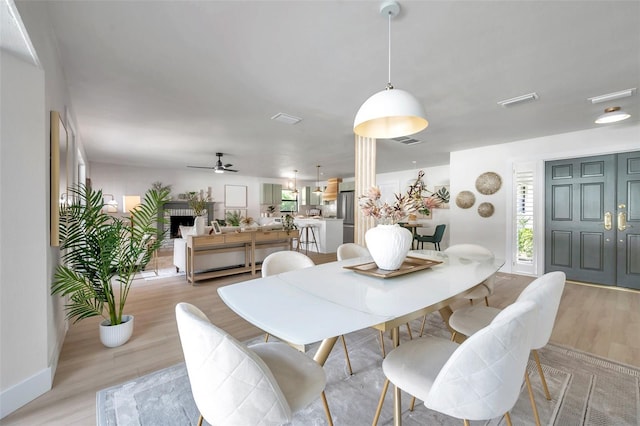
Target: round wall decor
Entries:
(486, 209)
(488, 183)
(465, 199)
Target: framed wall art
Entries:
(235, 196)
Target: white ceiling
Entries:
(170, 83)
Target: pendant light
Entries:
(612, 115)
(392, 112)
(318, 190)
(295, 182)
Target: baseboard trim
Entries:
(26, 391)
(608, 287)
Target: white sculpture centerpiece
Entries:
(388, 242)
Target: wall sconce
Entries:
(110, 206)
(130, 202)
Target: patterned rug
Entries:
(585, 389)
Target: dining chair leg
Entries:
(326, 409)
(471, 301)
(346, 355)
(384, 354)
(544, 382)
(453, 336)
(531, 398)
(266, 337)
(200, 420)
(466, 422)
(507, 417)
(486, 300)
(413, 403)
(409, 331)
(424, 321)
(379, 408)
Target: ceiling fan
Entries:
(218, 167)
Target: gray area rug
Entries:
(585, 389)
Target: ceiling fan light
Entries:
(612, 115)
(218, 170)
(389, 114)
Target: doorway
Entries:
(592, 219)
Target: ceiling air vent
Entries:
(286, 118)
(406, 140)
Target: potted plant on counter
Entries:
(101, 254)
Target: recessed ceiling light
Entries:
(611, 96)
(519, 99)
(286, 118)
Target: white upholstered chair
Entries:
(545, 292)
(350, 251)
(284, 261)
(237, 385)
(476, 252)
(479, 379)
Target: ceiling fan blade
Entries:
(230, 170)
(201, 167)
(228, 165)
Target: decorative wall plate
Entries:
(488, 183)
(465, 199)
(486, 209)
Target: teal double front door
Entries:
(592, 219)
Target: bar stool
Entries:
(306, 239)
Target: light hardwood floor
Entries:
(601, 321)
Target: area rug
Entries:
(585, 389)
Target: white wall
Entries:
(400, 181)
(24, 295)
(494, 232)
(33, 324)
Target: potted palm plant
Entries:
(101, 254)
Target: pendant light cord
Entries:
(389, 85)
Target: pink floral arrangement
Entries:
(413, 201)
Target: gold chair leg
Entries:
(409, 330)
(326, 409)
(486, 300)
(544, 381)
(266, 337)
(453, 336)
(200, 420)
(424, 321)
(533, 401)
(471, 301)
(346, 355)
(379, 408)
(413, 403)
(384, 354)
(507, 417)
(466, 422)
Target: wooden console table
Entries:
(246, 241)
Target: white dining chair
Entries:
(351, 251)
(545, 292)
(234, 384)
(479, 379)
(480, 253)
(284, 261)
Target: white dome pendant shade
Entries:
(612, 115)
(390, 113)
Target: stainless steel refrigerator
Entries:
(346, 206)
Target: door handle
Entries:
(622, 221)
(607, 221)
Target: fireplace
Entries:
(176, 222)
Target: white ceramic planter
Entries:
(199, 224)
(388, 245)
(116, 335)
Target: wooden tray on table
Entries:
(409, 265)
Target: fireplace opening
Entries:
(177, 221)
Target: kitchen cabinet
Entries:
(271, 193)
(310, 198)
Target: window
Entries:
(289, 201)
(524, 219)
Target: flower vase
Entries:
(199, 224)
(388, 245)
